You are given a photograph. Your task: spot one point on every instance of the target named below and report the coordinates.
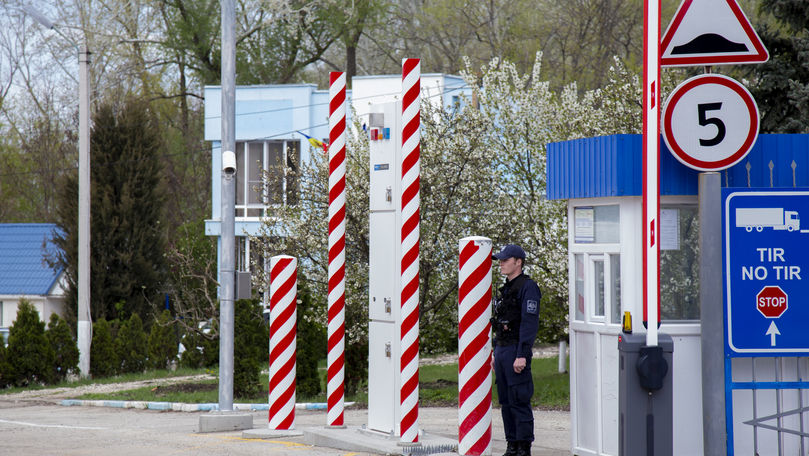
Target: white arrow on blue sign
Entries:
(766, 265)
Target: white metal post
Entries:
(651, 167)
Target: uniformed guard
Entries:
(515, 323)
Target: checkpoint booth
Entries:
(601, 179)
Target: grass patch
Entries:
(149, 375)
(438, 387)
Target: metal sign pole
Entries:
(711, 303)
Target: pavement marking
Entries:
(243, 439)
(60, 426)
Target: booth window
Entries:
(280, 160)
(679, 262)
(606, 287)
(615, 289)
(600, 296)
(579, 287)
(596, 224)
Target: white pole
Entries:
(651, 167)
(85, 323)
(562, 366)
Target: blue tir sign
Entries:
(766, 270)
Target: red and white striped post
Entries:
(409, 361)
(475, 347)
(335, 372)
(651, 169)
(283, 339)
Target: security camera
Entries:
(229, 162)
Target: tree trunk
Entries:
(351, 64)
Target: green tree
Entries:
(275, 40)
(66, 359)
(127, 207)
(30, 356)
(104, 360)
(781, 85)
(311, 343)
(191, 281)
(162, 342)
(201, 349)
(5, 368)
(251, 341)
(131, 345)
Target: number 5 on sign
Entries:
(710, 122)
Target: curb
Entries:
(183, 407)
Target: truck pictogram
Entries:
(767, 217)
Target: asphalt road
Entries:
(35, 427)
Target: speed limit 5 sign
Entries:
(710, 122)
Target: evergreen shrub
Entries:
(131, 345)
(162, 342)
(201, 350)
(104, 360)
(251, 340)
(66, 353)
(311, 344)
(356, 370)
(29, 354)
(5, 368)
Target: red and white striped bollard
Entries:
(335, 372)
(283, 340)
(409, 361)
(475, 346)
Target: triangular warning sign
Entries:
(711, 32)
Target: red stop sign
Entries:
(771, 301)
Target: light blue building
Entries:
(268, 121)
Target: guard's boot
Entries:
(523, 448)
(511, 448)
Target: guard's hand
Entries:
(519, 365)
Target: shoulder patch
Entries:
(531, 306)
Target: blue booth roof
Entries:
(23, 269)
(612, 166)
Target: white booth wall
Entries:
(604, 260)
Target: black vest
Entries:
(508, 312)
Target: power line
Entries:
(443, 92)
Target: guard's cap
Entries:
(509, 251)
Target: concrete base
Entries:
(270, 433)
(363, 441)
(225, 421)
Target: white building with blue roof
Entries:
(26, 274)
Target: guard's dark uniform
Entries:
(515, 323)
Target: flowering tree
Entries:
(482, 173)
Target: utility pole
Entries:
(228, 219)
(85, 322)
(84, 328)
